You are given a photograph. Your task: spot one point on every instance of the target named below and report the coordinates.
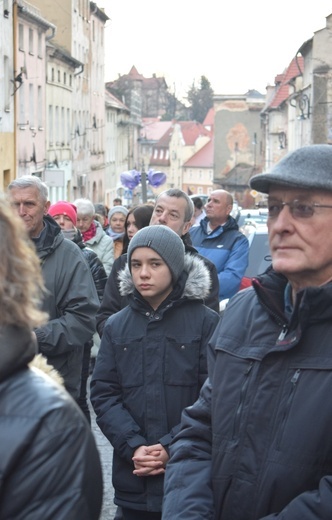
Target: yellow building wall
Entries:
(7, 159)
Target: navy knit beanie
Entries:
(165, 242)
(309, 167)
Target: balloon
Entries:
(156, 179)
(130, 179)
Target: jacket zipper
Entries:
(294, 380)
(243, 392)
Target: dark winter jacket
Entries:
(71, 302)
(227, 248)
(268, 454)
(151, 364)
(49, 463)
(113, 301)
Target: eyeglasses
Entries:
(297, 208)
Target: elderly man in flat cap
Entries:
(257, 444)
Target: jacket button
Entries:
(183, 347)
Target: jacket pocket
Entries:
(181, 362)
(129, 361)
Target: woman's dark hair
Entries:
(142, 214)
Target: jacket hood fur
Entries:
(197, 286)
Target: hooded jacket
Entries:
(257, 444)
(151, 364)
(71, 302)
(49, 463)
(227, 248)
(113, 301)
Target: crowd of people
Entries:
(210, 416)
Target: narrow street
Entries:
(106, 453)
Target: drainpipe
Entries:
(15, 50)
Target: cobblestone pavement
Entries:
(106, 453)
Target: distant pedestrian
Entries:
(117, 201)
(101, 213)
(199, 212)
(93, 234)
(151, 364)
(218, 238)
(116, 227)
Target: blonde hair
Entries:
(21, 281)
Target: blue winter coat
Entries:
(150, 366)
(228, 249)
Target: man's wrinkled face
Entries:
(30, 207)
(171, 212)
(301, 247)
(218, 208)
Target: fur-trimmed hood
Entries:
(197, 285)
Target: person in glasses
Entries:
(257, 443)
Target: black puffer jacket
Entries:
(268, 454)
(113, 301)
(151, 364)
(96, 266)
(49, 463)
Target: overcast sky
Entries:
(239, 46)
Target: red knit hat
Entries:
(64, 208)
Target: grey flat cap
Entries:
(309, 167)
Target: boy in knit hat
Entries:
(151, 364)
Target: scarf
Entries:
(90, 233)
(113, 234)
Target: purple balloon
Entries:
(156, 179)
(130, 179)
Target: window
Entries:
(52, 74)
(57, 124)
(40, 48)
(22, 120)
(40, 107)
(63, 126)
(59, 76)
(5, 8)
(20, 37)
(31, 49)
(7, 83)
(31, 106)
(64, 78)
(68, 126)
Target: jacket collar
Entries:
(17, 349)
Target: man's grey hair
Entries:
(179, 194)
(85, 207)
(30, 181)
